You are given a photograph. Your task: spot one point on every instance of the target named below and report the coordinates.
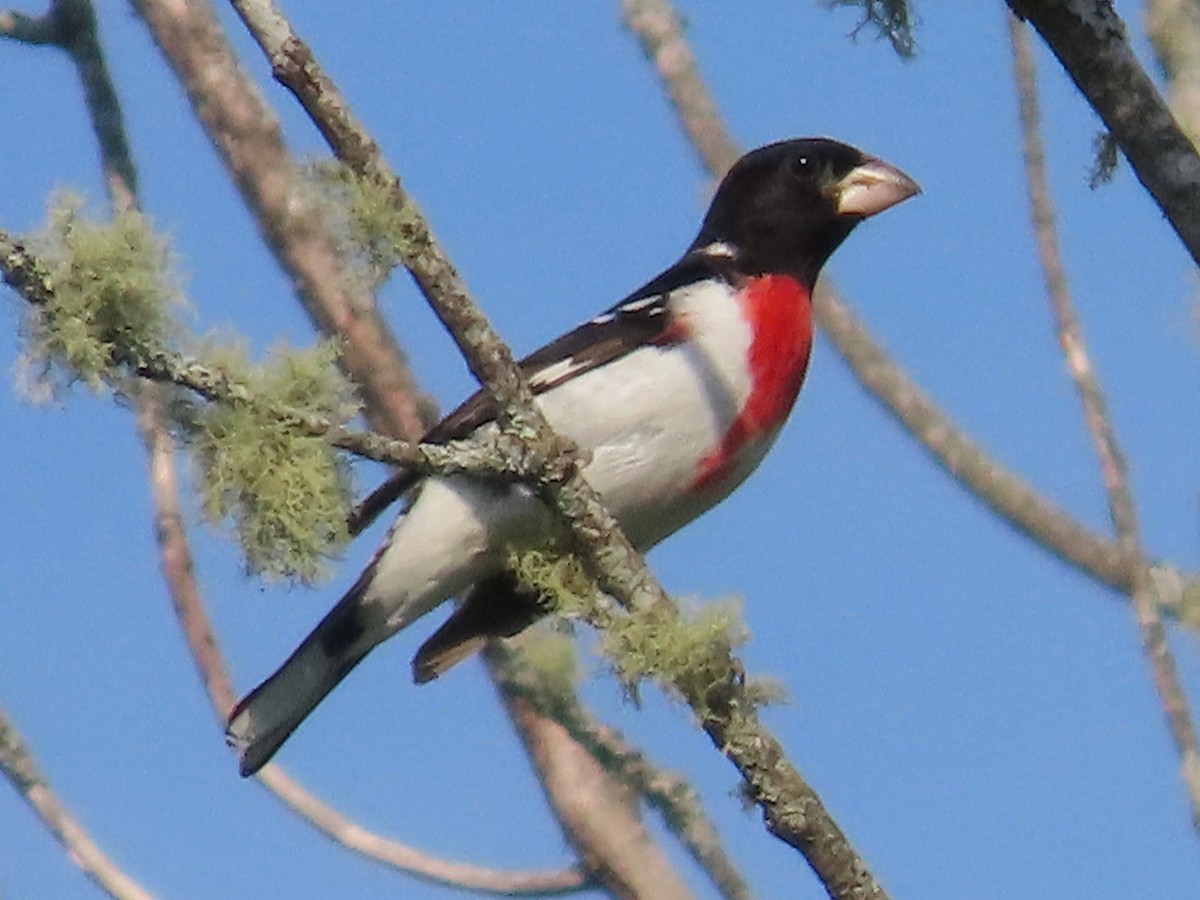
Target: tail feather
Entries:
(497, 606)
(435, 550)
(267, 716)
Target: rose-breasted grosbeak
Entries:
(677, 392)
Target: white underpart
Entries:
(648, 419)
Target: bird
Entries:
(674, 395)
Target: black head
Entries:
(786, 207)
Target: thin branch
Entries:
(399, 856)
(71, 26)
(660, 32)
(25, 29)
(670, 794)
(1088, 37)
(606, 851)
(18, 766)
(792, 810)
(1027, 510)
(492, 456)
(657, 27)
(1121, 505)
(202, 642)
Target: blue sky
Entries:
(977, 716)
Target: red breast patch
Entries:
(779, 311)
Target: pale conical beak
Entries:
(871, 188)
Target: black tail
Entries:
(267, 716)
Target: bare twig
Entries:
(657, 26)
(26, 29)
(614, 857)
(1121, 505)
(18, 766)
(413, 862)
(71, 26)
(1088, 37)
(791, 808)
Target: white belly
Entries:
(648, 419)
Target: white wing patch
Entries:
(720, 250)
(556, 372)
(640, 304)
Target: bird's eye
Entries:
(803, 167)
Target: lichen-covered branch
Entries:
(670, 794)
(1089, 39)
(247, 137)
(176, 561)
(24, 272)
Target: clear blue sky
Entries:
(977, 716)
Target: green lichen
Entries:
(372, 232)
(688, 652)
(559, 578)
(285, 494)
(112, 298)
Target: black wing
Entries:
(641, 319)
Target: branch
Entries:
(791, 808)
(657, 26)
(71, 26)
(193, 619)
(18, 766)
(1088, 37)
(1173, 27)
(586, 816)
(1121, 505)
(248, 141)
(670, 794)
